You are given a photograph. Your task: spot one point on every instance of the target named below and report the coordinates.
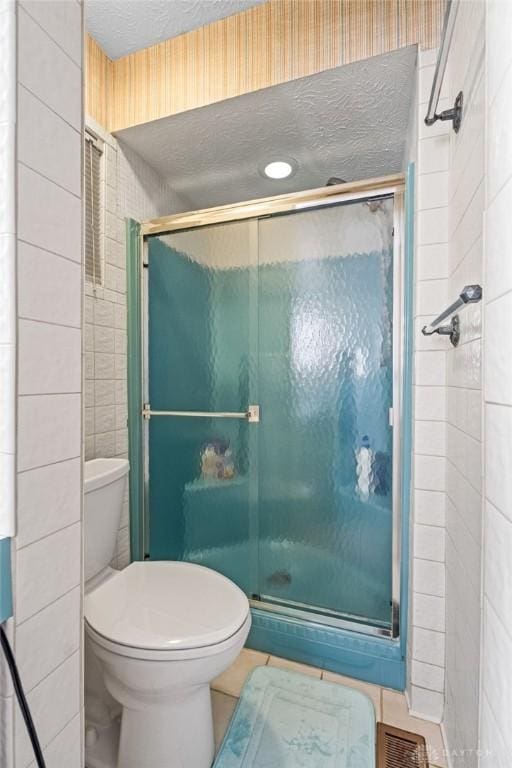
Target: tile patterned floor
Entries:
(390, 706)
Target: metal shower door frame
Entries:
(390, 186)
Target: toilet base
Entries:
(179, 737)
(103, 753)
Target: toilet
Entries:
(157, 633)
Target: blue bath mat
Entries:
(289, 720)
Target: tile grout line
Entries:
(39, 247)
(50, 181)
(50, 37)
(48, 107)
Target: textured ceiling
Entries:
(350, 122)
(125, 26)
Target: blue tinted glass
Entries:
(293, 313)
(325, 445)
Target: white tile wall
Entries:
(426, 654)
(62, 689)
(7, 266)
(46, 570)
(7, 331)
(61, 22)
(448, 452)
(65, 749)
(55, 226)
(428, 646)
(130, 189)
(50, 73)
(61, 622)
(496, 658)
(39, 293)
(47, 627)
(49, 428)
(49, 359)
(54, 149)
(464, 465)
(429, 577)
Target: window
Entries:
(93, 207)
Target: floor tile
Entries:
(395, 712)
(231, 681)
(223, 707)
(294, 666)
(390, 706)
(372, 691)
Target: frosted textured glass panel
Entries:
(199, 288)
(325, 384)
(293, 313)
(199, 293)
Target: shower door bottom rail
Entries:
(320, 616)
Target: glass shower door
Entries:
(294, 313)
(201, 380)
(325, 387)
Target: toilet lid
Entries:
(166, 606)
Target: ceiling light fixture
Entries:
(279, 169)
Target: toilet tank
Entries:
(104, 488)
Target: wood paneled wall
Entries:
(98, 78)
(269, 44)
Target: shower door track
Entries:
(268, 206)
(368, 189)
(324, 617)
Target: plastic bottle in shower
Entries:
(209, 463)
(229, 465)
(364, 469)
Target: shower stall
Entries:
(268, 386)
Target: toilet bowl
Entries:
(157, 633)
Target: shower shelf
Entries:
(214, 485)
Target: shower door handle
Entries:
(252, 414)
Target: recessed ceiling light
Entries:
(279, 169)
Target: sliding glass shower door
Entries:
(270, 386)
(325, 385)
(201, 368)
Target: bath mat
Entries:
(288, 720)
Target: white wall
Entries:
(445, 616)
(7, 267)
(496, 690)
(478, 574)
(426, 654)
(464, 465)
(7, 335)
(445, 643)
(47, 627)
(130, 188)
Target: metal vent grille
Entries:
(400, 749)
(93, 210)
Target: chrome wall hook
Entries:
(471, 294)
(454, 114)
(452, 330)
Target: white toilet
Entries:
(157, 633)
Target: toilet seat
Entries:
(161, 609)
